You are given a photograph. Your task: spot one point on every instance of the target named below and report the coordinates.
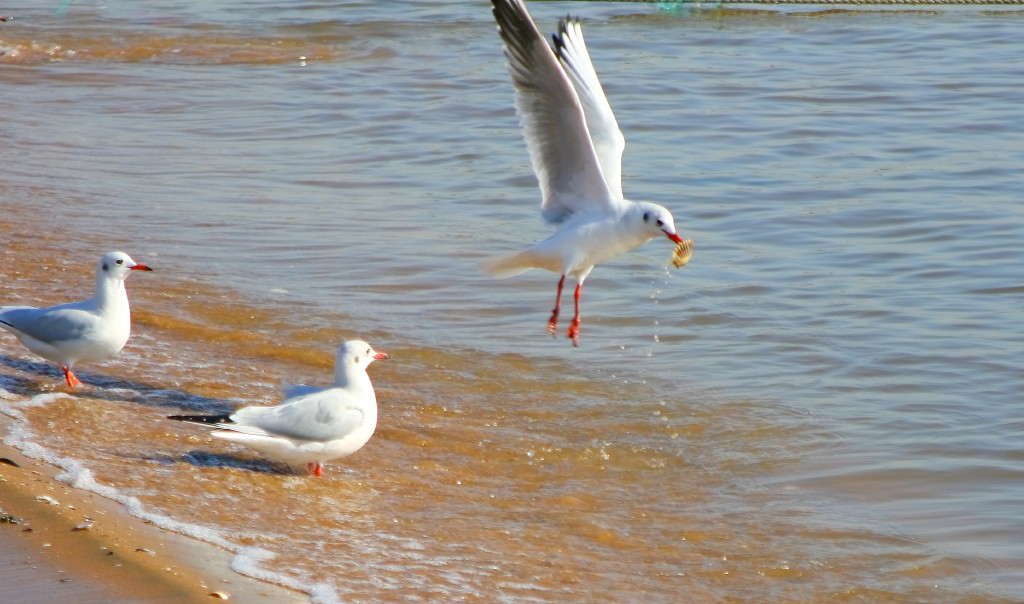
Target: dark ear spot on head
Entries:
(357, 359)
(647, 216)
(105, 267)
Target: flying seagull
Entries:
(576, 149)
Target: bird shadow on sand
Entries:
(200, 458)
(20, 384)
(102, 387)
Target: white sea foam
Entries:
(245, 561)
(322, 593)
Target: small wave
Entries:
(246, 560)
(183, 50)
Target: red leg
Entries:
(574, 327)
(71, 378)
(316, 468)
(558, 303)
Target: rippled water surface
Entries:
(824, 405)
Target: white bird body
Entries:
(576, 150)
(346, 428)
(571, 250)
(312, 425)
(88, 331)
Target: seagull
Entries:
(576, 149)
(92, 330)
(312, 425)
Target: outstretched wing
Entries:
(604, 129)
(553, 120)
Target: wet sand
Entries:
(47, 556)
(822, 407)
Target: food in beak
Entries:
(681, 255)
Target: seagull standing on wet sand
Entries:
(92, 330)
(576, 149)
(313, 425)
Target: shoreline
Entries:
(61, 543)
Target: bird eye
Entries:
(119, 261)
(660, 223)
(368, 351)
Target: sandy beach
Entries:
(61, 544)
(822, 406)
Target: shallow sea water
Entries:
(823, 405)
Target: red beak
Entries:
(673, 237)
(381, 356)
(140, 267)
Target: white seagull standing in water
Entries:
(576, 149)
(312, 425)
(88, 331)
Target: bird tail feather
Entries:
(202, 419)
(508, 265)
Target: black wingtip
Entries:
(514, 24)
(559, 36)
(202, 419)
(564, 22)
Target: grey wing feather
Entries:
(322, 416)
(290, 390)
(553, 121)
(4, 309)
(49, 325)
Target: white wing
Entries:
(553, 121)
(604, 129)
(324, 416)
